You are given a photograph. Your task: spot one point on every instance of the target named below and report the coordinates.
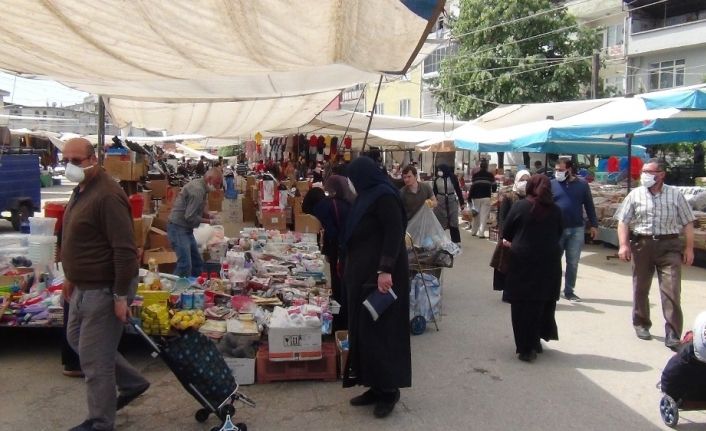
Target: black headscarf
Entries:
(370, 182)
(447, 171)
(312, 197)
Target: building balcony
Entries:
(681, 36)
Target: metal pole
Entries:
(629, 136)
(372, 113)
(101, 129)
(595, 69)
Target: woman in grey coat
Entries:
(450, 200)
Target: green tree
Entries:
(506, 61)
(230, 151)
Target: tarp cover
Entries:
(197, 56)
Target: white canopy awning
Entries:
(211, 50)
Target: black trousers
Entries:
(340, 321)
(69, 358)
(455, 234)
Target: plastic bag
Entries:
(427, 233)
(419, 304)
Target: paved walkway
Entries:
(466, 376)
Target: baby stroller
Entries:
(683, 382)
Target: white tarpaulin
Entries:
(209, 50)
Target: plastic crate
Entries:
(323, 369)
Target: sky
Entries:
(36, 92)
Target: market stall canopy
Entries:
(691, 98)
(467, 137)
(195, 153)
(185, 51)
(51, 136)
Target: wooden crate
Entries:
(323, 369)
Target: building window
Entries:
(614, 35)
(405, 108)
(616, 83)
(379, 109)
(433, 61)
(36, 112)
(667, 74)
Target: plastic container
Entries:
(41, 250)
(55, 210)
(137, 202)
(43, 226)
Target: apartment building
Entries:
(648, 45)
(666, 44)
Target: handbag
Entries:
(501, 257)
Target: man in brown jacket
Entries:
(99, 256)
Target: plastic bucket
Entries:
(41, 250)
(42, 226)
(55, 210)
(137, 202)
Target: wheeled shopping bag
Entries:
(200, 368)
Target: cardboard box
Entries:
(294, 344)
(160, 223)
(305, 223)
(303, 186)
(139, 231)
(165, 259)
(297, 205)
(159, 188)
(250, 182)
(342, 354)
(232, 230)
(171, 195)
(232, 210)
(123, 170)
(274, 220)
(243, 370)
(248, 210)
(215, 200)
(159, 239)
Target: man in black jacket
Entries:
(482, 186)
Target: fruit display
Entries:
(184, 319)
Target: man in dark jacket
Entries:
(482, 186)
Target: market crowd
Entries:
(364, 210)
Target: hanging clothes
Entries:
(334, 147)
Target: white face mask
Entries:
(75, 173)
(439, 174)
(351, 187)
(560, 175)
(647, 180)
(521, 187)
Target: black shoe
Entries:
(539, 348)
(367, 398)
(527, 357)
(86, 426)
(386, 404)
(643, 333)
(124, 400)
(571, 297)
(672, 341)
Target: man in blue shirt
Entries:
(573, 195)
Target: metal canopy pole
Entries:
(101, 129)
(372, 112)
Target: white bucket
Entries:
(42, 226)
(42, 250)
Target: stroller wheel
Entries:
(226, 410)
(418, 325)
(202, 415)
(241, 426)
(669, 410)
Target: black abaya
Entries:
(380, 352)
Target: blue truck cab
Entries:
(20, 194)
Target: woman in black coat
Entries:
(533, 280)
(375, 257)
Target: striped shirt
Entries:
(242, 169)
(665, 213)
(189, 204)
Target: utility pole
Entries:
(101, 129)
(595, 69)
